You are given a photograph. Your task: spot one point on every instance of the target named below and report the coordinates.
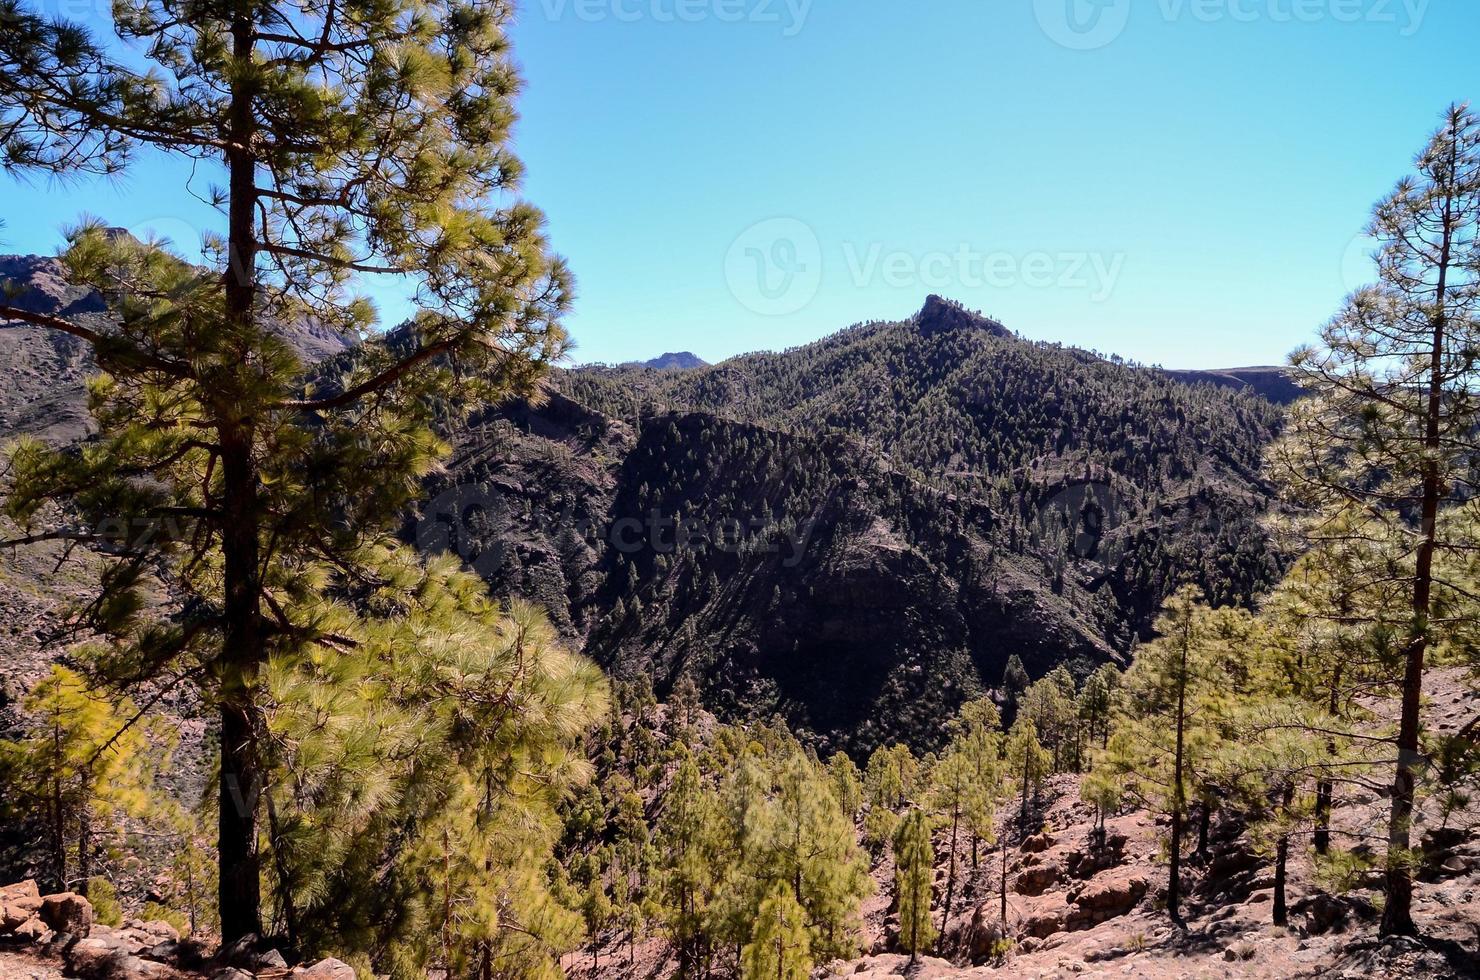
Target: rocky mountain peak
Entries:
(940, 314)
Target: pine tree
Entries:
(1096, 700)
(847, 783)
(1390, 432)
(1164, 740)
(813, 850)
(914, 872)
(1015, 682)
(84, 765)
(978, 740)
(886, 780)
(422, 774)
(780, 946)
(686, 845)
(348, 142)
(1027, 764)
(955, 797)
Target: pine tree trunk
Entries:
(58, 829)
(243, 647)
(1179, 802)
(84, 836)
(945, 915)
(1281, 860)
(1325, 789)
(1023, 814)
(1322, 836)
(1002, 883)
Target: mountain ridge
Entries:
(874, 522)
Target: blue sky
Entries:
(1178, 181)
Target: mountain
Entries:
(45, 395)
(672, 361)
(1272, 383)
(856, 534)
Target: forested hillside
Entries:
(871, 524)
(857, 534)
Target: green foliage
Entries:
(348, 141)
(1026, 764)
(890, 775)
(847, 783)
(461, 721)
(85, 763)
(107, 910)
(1381, 456)
(914, 863)
(779, 948)
(155, 912)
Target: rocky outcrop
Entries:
(1038, 878)
(67, 912)
(19, 903)
(1106, 896)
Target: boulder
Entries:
(18, 903)
(110, 956)
(250, 953)
(67, 912)
(327, 969)
(33, 930)
(1330, 913)
(156, 929)
(21, 889)
(984, 933)
(1104, 897)
(1037, 843)
(1042, 923)
(1037, 879)
(1098, 855)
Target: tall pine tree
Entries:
(347, 139)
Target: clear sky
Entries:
(1178, 181)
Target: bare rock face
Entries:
(19, 903)
(984, 932)
(1043, 918)
(1106, 896)
(1332, 913)
(67, 912)
(1037, 844)
(1037, 879)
